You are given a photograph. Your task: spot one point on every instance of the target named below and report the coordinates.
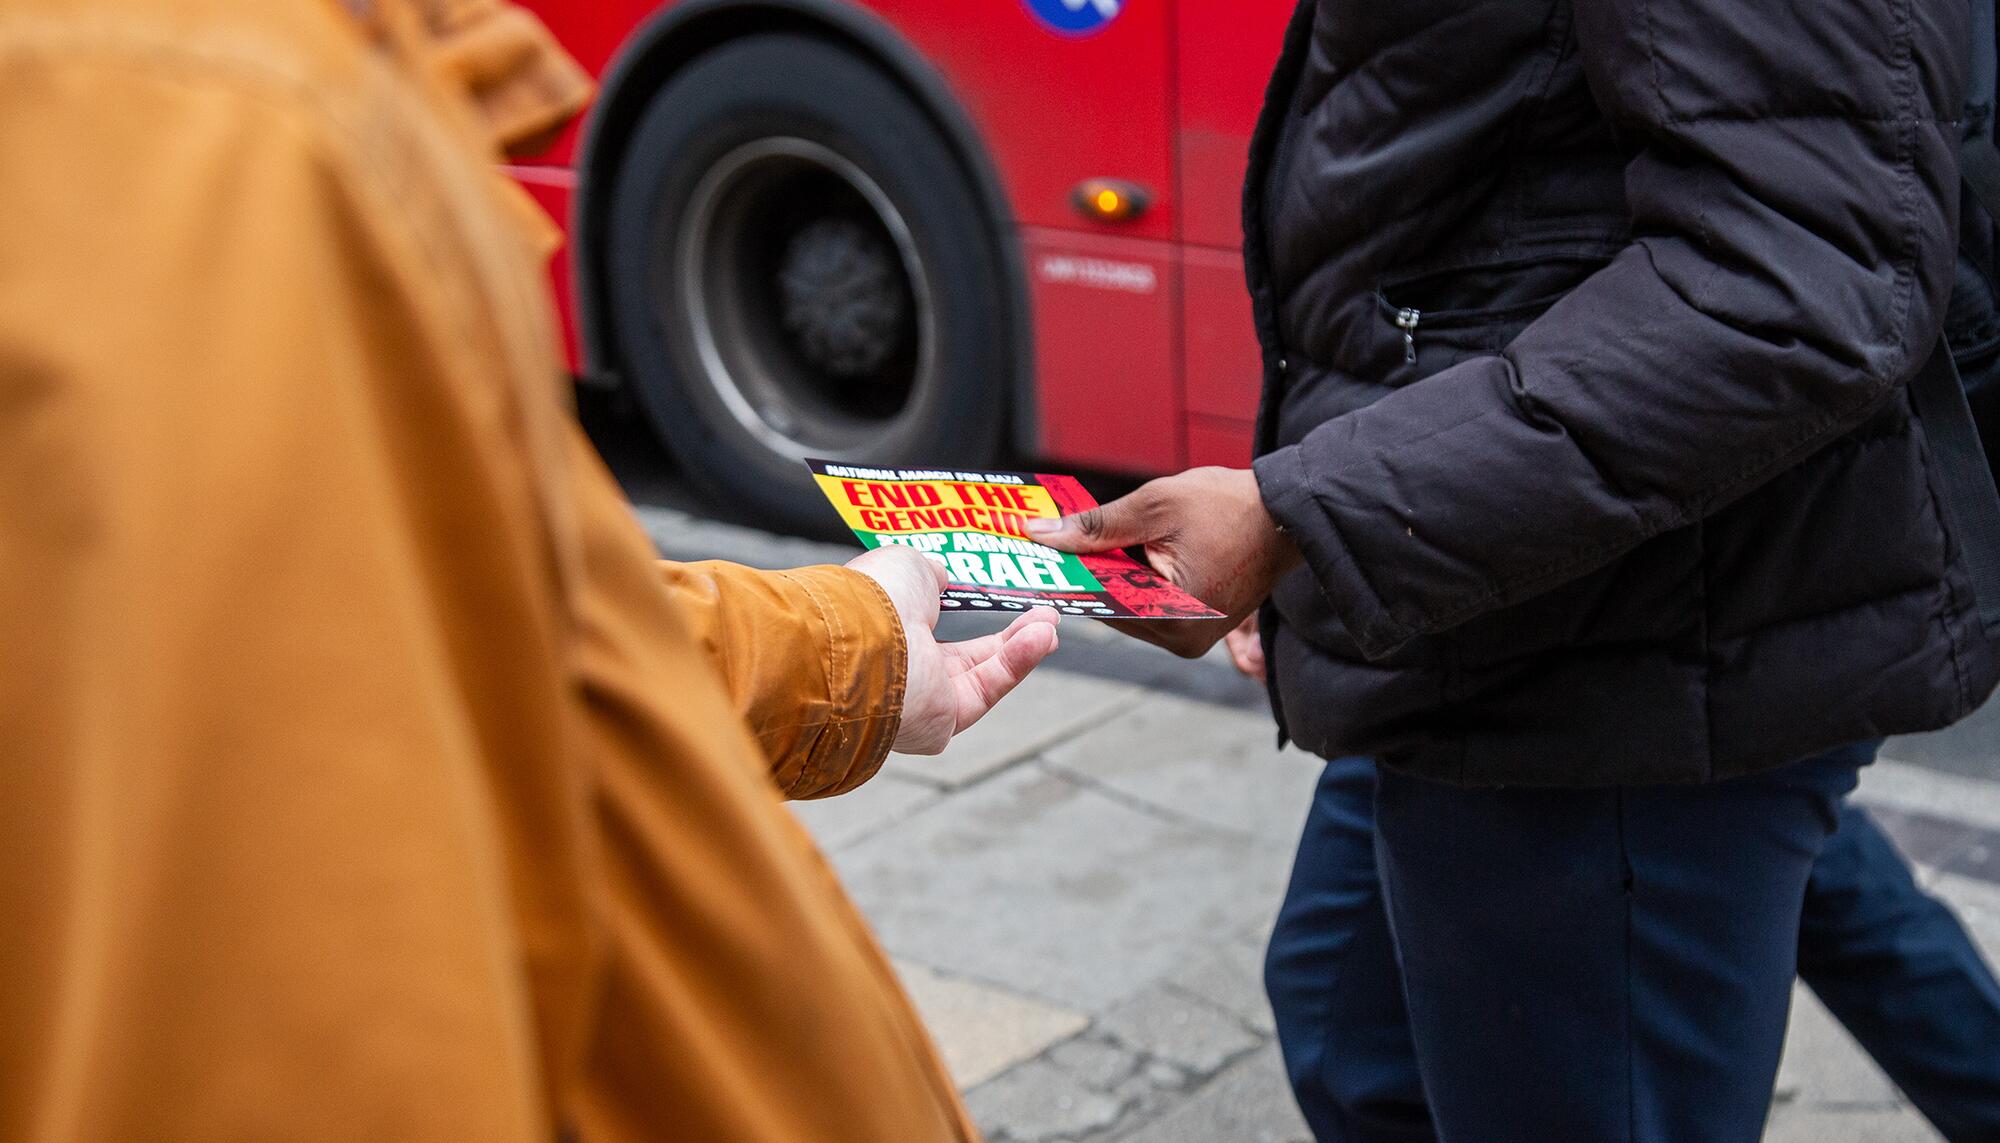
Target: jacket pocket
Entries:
(1447, 313)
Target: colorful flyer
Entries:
(973, 523)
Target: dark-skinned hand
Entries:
(1205, 529)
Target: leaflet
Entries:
(974, 524)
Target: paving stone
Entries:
(884, 799)
(982, 1031)
(1106, 654)
(1248, 1103)
(1202, 762)
(1192, 1033)
(1977, 903)
(1037, 1101)
(1096, 1062)
(1049, 706)
(1148, 1094)
(1160, 1073)
(1908, 787)
(1925, 838)
(1978, 861)
(1967, 748)
(1035, 883)
(1231, 977)
(1823, 1065)
(1848, 1125)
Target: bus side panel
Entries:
(1224, 361)
(1105, 368)
(1226, 50)
(1056, 109)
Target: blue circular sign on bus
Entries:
(1075, 17)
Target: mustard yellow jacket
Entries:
(362, 776)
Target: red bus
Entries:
(925, 231)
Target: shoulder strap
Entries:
(1965, 482)
(1979, 165)
(1959, 462)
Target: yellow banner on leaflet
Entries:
(890, 507)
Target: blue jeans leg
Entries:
(1893, 965)
(1600, 965)
(1331, 975)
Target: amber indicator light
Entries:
(1111, 200)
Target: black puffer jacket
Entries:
(1639, 498)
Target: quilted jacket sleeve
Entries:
(813, 658)
(1793, 191)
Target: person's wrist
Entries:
(1273, 541)
(899, 621)
(1273, 479)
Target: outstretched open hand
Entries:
(950, 685)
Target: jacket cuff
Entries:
(865, 660)
(1287, 489)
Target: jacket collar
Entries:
(522, 86)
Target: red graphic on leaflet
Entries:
(1137, 588)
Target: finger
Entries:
(989, 681)
(1119, 524)
(1248, 655)
(1246, 648)
(1048, 615)
(981, 647)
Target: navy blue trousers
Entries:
(1488, 965)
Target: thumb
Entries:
(1119, 524)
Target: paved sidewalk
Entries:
(1077, 893)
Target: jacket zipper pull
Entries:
(1406, 320)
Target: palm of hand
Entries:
(950, 686)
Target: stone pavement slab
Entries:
(1041, 884)
(1848, 1125)
(1039, 1101)
(1823, 1066)
(1910, 787)
(1971, 749)
(880, 802)
(1248, 1103)
(1230, 975)
(1977, 903)
(1169, 1025)
(1220, 767)
(1048, 707)
(1097, 1062)
(982, 1031)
